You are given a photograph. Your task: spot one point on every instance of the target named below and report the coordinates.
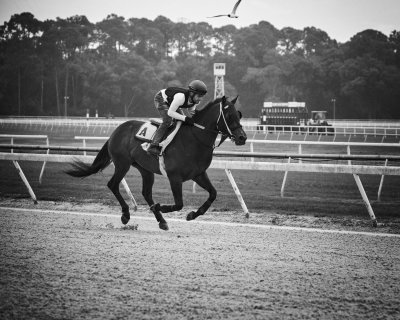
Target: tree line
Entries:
(115, 66)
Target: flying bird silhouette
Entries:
(232, 14)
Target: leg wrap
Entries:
(155, 208)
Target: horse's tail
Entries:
(81, 169)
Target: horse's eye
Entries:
(240, 114)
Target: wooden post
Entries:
(24, 179)
(237, 192)
(381, 183)
(44, 163)
(363, 194)
(284, 182)
(365, 199)
(251, 150)
(128, 191)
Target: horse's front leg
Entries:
(176, 187)
(155, 208)
(147, 192)
(203, 181)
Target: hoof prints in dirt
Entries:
(87, 224)
(130, 227)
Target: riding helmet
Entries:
(198, 86)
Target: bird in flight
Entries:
(232, 14)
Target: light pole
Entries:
(334, 108)
(65, 105)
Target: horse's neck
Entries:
(208, 118)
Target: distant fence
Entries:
(348, 127)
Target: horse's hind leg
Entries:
(147, 192)
(203, 181)
(121, 168)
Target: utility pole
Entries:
(65, 105)
(333, 100)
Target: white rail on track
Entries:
(13, 137)
(355, 170)
(346, 127)
(300, 144)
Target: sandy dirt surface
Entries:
(64, 266)
(267, 217)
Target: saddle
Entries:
(148, 129)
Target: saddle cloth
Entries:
(147, 131)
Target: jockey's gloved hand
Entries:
(189, 121)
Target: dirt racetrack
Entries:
(60, 265)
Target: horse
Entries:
(187, 157)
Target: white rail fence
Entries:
(16, 137)
(300, 145)
(229, 165)
(328, 130)
(377, 128)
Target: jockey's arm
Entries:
(179, 99)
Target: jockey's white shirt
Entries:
(179, 100)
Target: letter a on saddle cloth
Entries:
(146, 134)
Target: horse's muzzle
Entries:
(240, 137)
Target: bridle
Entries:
(228, 130)
(224, 135)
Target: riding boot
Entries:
(155, 147)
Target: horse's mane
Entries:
(210, 104)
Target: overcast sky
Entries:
(341, 19)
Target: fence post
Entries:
(128, 191)
(366, 201)
(44, 163)
(237, 192)
(300, 152)
(251, 150)
(284, 182)
(381, 183)
(363, 194)
(22, 175)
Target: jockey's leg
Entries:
(159, 135)
(203, 181)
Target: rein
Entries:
(229, 133)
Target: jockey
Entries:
(168, 101)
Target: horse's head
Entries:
(229, 121)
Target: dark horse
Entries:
(186, 158)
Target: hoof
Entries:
(163, 226)
(124, 219)
(191, 216)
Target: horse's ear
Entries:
(223, 99)
(234, 100)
